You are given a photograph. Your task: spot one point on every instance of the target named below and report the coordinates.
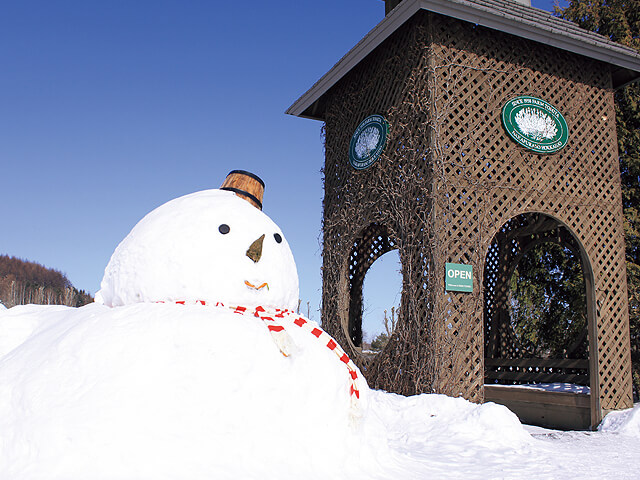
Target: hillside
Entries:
(23, 282)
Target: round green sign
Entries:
(535, 124)
(368, 142)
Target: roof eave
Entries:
(564, 35)
(621, 77)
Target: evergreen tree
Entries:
(378, 343)
(381, 340)
(547, 304)
(620, 21)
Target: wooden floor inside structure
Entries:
(558, 410)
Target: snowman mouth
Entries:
(256, 287)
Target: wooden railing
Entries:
(537, 370)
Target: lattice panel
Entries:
(579, 185)
(387, 83)
(448, 182)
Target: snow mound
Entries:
(172, 391)
(23, 321)
(437, 417)
(196, 248)
(626, 422)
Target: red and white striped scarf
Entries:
(284, 342)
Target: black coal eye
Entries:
(224, 229)
(277, 237)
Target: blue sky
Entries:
(109, 109)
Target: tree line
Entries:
(23, 282)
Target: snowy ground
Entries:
(465, 447)
(155, 391)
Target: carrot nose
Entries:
(255, 250)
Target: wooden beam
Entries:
(538, 362)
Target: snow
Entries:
(137, 386)
(624, 422)
(553, 387)
(129, 389)
(165, 391)
(177, 252)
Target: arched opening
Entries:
(366, 314)
(538, 322)
(381, 295)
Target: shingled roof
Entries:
(503, 15)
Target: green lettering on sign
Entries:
(458, 277)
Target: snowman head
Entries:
(212, 246)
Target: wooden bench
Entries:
(551, 409)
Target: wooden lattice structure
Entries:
(451, 185)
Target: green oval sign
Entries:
(368, 142)
(535, 124)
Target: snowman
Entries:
(192, 362)
(216, 248)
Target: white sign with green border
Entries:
(535, 124)
(458, 277)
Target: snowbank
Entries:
(165, 391)
(428, 419)
(626, 422)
